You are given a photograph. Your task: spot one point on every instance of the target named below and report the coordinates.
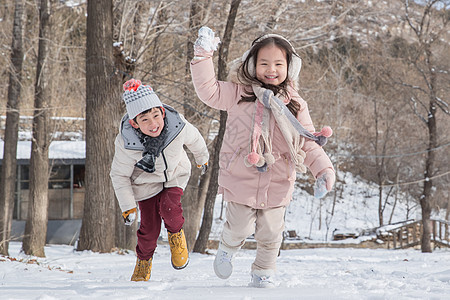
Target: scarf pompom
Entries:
(253, 158)
(326, 131)
(270, 160)
(261, 162)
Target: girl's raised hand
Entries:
(206, 43)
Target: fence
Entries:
(410, 234)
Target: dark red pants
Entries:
(164, 206)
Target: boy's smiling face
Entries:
(150, 123)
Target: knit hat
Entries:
(139, 98)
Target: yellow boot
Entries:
(142, 270)
(178, 249)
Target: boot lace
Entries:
(175, 240)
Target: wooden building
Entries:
(66, 182)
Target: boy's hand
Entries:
(129, 216)
(204, 168)
(206, 43)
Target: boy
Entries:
(150, 167)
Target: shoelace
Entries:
(263, 279)
(175, 239)
(225, 257)
(143, 267)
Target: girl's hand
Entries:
(206, 43)
(329, 176)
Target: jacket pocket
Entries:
(289, 167)
(283, 168)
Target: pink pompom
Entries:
(326, 131)
(253, 158)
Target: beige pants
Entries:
(267, 225)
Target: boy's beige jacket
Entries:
(173, 167)
(237, 182)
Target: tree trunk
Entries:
(425, 199)
(102, 116)
(208, 212)
(9, 164)
(193, 199)
(36, 225)
(125, 236)
(425, 37)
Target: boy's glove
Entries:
(204, 168)
(129, 216)
(206, 43)
(324, 183)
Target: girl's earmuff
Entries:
(295, 64)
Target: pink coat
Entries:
(237, 182)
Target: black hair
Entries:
(148, 110)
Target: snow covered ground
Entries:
(302, 274)
(324, 273)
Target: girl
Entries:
(262, 149)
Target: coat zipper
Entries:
(165, 163)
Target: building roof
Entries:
(58, 150)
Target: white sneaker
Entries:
(223, 263)
(261, 281)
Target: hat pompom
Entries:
(253, 158)
(270, 159)
(131, 85)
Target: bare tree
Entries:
(279, 8)
(194, 194)
(36, 225)
(9, 167)
(208, 211)
(103, 82)
(424, 94)
(125, 236)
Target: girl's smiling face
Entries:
(271, 65)
(150, 123)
